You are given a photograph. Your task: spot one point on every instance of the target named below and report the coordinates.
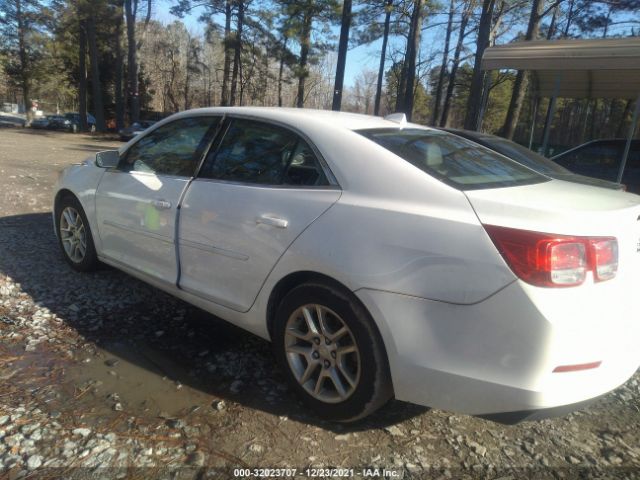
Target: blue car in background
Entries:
(72, 122)
(601, 159)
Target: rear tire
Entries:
(331, 352)
(74, 235)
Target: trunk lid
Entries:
(567, 208)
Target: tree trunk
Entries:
(226, 69)
(623, 119)
(305, 46)
(237, 50)
(82, 72)
(474, 103)
(187, 79)
(402, 81)
(342, 55)
(98, 108)
(132, 60)
(119, 70)
(412, 53)
(567, 25)
(281, 70)
(383, 53)
(443, 67)
(24, 67)
(522, 78)
(552, 24)
(455, 64)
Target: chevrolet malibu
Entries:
(381, 258)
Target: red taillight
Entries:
(605, 258)
(548, 260)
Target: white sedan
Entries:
(381, 258)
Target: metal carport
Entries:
(594, 68)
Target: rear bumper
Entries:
(498, 355)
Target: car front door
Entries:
(256, 192)
(136, 203)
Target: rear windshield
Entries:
(453, 160)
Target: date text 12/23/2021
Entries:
(367, 472)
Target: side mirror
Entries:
(108, 159)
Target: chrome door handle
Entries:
(273, 221)
(161, 204)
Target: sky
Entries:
(364, 57)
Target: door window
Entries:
(171, 149)
(261, 153)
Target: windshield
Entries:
(525, 156)
(453, 160)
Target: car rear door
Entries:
(136, 203)
(257, 191)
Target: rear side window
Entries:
(260, 153)
(171, 149)
(453, 160)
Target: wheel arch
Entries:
(68, 193)
(295, 279)
(288, 283)
(62, 193)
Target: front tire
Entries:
(331, 353)
(74, 235)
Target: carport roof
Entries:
(600, 68)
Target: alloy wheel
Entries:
(322, 353)
(73, 234)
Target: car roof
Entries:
(296, 116)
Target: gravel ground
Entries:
(102, 376)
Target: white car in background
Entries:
(381, 258)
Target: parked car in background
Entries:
(8, 119)
(531, 159)
(46, 122)
(134, 129)
(381, 258)
(601, 159)
(72, 122)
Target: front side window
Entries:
(453, 160)
(265, 154)
(170, 149)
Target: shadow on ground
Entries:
(152, 342)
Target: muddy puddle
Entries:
(138, 380)
(134, 379)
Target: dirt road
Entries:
(102, 376)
